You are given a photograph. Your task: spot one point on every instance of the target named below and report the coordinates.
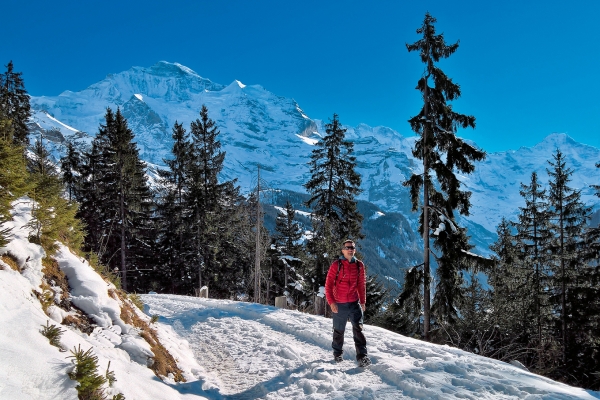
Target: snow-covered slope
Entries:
(255, 351)
(31, 368)
(261, 128)
(225, 349)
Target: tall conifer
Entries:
(14, 103)
(333, 187)
(14, 178)
(172, 231)
(215, 216)
(70, 165)
(288, 234)
(53, 216)
(117, 202)
(444, 154)
(533, 243)
(571, 254)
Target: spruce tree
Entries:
(172, 215)
(333, 187)
(13, 178)
(288, 234)
(53, 216)
(47, 188)
(91, 197)
(377, 295)
(70, 165)
(404, 314)
(512, 303)
(597, 187)
(444, 154)
(14, 103)
(571, 256)
(533, 241)
(117, 202)
(215, 213)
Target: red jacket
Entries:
(350, 284)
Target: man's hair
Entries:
(347, 241)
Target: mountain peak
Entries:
(557, 140)
(165, 68)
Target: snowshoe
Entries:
(338, 358)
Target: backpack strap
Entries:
(340, 266)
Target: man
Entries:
(346, 292)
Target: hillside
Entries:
(223, 349)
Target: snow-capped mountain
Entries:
(260, 128)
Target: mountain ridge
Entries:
(259, 128)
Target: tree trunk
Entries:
(426, 271)
(123, 245)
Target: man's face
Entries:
(348, 249)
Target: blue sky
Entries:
(526, 69)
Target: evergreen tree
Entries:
(377, 295)
(47, 188)
(53, 217)
(533, 240)
(117, 202)
(571, 254)
(172, 215)
(404, 314)
(444, 154)
(512, 303)
(597, 187)
(475, 330)
(14, 181)
(90, 194)
(70, 165)
(288, 234)
(333, 186)
(14, 103)
(215, 213)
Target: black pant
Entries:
(354, 313)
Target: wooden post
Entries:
(203, 292)
(281, 302)
(319, 305)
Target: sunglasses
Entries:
(349, 248)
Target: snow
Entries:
(377, 214)
(256, 351)
(228, 349)
(307, 140)
(256, 124)
(139, 97)
(303, 213)
(51, 118)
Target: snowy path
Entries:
(251, 351)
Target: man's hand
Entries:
(334, 308)
(363, 306)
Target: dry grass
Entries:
(11, 260)
(164, 363)
(56, 278)
(80, 321)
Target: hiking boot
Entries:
(364, 361)
(338, 358)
